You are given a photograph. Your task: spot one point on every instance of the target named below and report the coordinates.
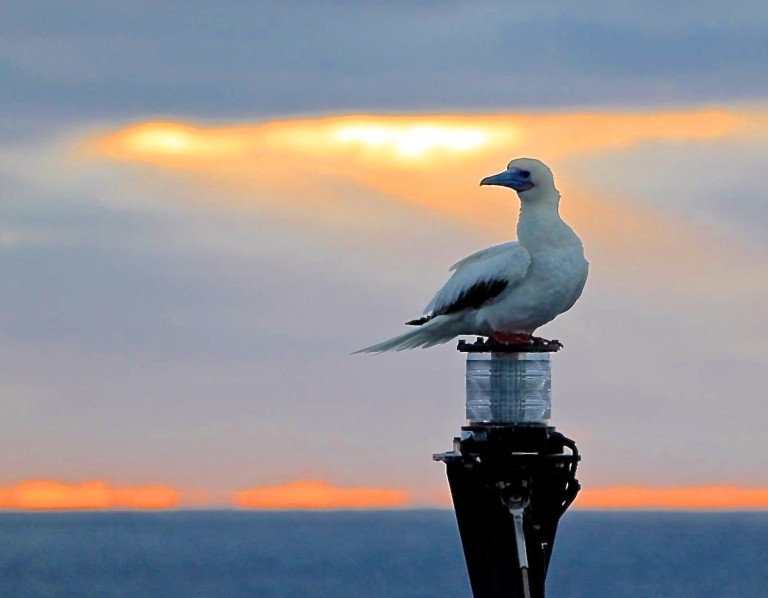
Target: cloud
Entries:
(40, 495)
(347, 177)
(419, 140)
(316, 494)
(278, 58)
(430, 163)
(732, 498)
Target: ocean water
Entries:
(410, 554)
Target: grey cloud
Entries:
(226, 60)
(716, 184)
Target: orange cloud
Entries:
(341, 175)
(412, 141)
(682, 498)
(430, 163)
(315, 494)
(52, 495)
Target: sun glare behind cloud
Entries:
(329, 139)
(170, 139)
(414, 141)
(428, 163)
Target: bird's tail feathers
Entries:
(436, 331)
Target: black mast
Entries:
(510, 475)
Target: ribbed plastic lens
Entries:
(508, 388)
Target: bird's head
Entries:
(527, 176)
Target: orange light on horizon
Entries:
(713, 497)
(43, 495)
(40, 495)
(319, 495)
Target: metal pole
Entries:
(516, 507)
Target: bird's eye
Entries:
(524, 174)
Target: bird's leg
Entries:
(512, 339)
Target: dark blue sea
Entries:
(411, 554)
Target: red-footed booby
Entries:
(507, 291)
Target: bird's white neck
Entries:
(540, 226)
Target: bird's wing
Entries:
(481, 277)
(486, 253)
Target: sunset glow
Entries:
(682, 498)
(316, 494)
(432, 164)
(40, 495)
(157, 140)
(436, 137)
(414, 140)
(37, 495)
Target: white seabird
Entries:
(507, 291)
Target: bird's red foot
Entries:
(512, 339)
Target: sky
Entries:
(206, 207)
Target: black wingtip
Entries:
(419, 321)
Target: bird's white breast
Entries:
(553, 283)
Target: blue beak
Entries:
(511, 178)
